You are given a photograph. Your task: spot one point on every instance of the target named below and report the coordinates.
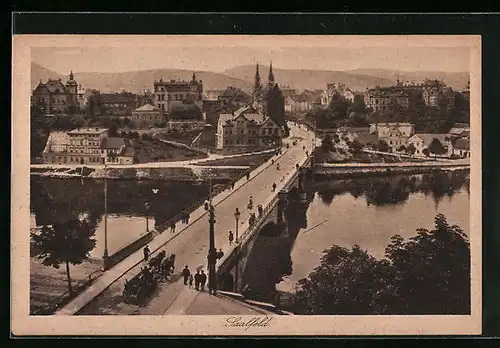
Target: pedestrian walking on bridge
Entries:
(203, 280)
(146, 252)
(185, 274)
(172, 227)
(231, 238)
(274, 187)
(197, 280)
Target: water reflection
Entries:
(61, 200)
(396, 189)
(347, 212)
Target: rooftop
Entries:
(428, 137)
(462, 144)
(93, 130)
(113, 143)
(147, 107)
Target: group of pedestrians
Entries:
(199, 278)
(185, 218)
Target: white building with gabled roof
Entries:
(246, 127)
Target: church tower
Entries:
(257, 88)
(271, 75)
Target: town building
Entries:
(298, 103)
(288, 91)
(117, 104)
(435, 91)
(86, 146)
(394, 134)
(421, 141)
(212, 94)
(234, 96)
(466, 91)
(333, 89)
(146, 116)
(382, 98)
(55, 97)
(460, 130)
(174, 93)
(460, 147)
(247, 127)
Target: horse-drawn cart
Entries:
(138, 288)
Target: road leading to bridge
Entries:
(191, 247)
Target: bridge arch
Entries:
(227, 282)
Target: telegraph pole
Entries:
(212, 252)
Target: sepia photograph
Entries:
(246, 185)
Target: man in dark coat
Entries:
(203, 279)
(185, 274)
(146, 252)
(197, 280)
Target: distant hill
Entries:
(243, 76)
(456, 80)
(136, 81)
(309, 79)
(357, 80)
(38, 73)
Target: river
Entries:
(59, 200)
(367, 212)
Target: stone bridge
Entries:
(231, 268)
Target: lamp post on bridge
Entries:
(237, 218)
(212, 252)
(147, 206)
(105, 256)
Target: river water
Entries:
(59, 200)
(367, 212)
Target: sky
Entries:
(225, 52)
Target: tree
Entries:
(356, 146)
(382, 146)
(65, 243)
(411, 149)
(428, 274)
(426, 152)
(327, 143)
(402, 148)
(436, 148)
(358, 105)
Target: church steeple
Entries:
(257, 78)
(71, 75)
(271, 75)
(194, 76)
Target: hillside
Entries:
(136, 81)
(38, 73)
(309, 79)
(456, 80)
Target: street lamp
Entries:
(237, 218)
(212, 252)
(147, 206)
(105, 256)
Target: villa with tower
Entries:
(56, 97)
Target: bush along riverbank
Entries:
(322, 173)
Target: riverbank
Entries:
(194, 173)
(324, 171)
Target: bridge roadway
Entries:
(191, 245)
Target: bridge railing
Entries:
(267, 208)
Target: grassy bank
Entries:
(252, 161)
(152, 150)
